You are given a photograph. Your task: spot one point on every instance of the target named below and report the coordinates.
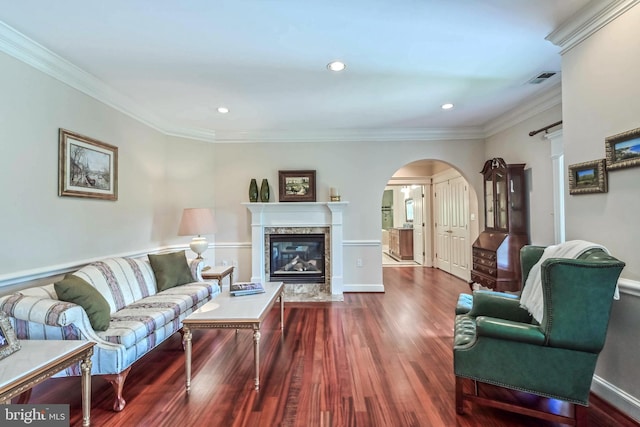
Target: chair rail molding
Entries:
(19, 277)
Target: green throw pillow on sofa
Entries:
(170, 270)
(76, 290)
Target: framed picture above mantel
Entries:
(297, 186)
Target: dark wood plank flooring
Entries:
(373, 360)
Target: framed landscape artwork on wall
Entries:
(86, 167)
(623, 150)
(297, 186)
(588, 177)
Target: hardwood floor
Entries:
(373, 360)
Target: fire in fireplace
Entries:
(297, 258)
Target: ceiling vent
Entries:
(541, 77)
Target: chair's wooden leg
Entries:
(581, 415)
(459, 396)
(117, 381)
(182, 338)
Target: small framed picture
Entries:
(86, 167)
(8, 342)
(588, 177)
(623, 149)
(297, 186)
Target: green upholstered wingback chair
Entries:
(499, 343)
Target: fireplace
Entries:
(297, 258)
(299, 218)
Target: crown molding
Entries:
(39, 57)
(205, 135)
(587, 21)
(535, 105)
(350, 135)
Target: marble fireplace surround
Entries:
(301, 218)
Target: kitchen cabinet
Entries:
(401, 243)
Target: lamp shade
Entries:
(197, 221)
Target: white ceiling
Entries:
(266, 59)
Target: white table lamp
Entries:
(197, 221)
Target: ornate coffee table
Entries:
(228, 312)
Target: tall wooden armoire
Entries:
(496, 252)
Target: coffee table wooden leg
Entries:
(85, 367)
(256, 355)
(187, 356)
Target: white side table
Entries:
(38, 360)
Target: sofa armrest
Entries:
(49, 312)
(62, 319)
(508, 330)
(499, 305)
(196, 265)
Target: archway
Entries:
(428, 205)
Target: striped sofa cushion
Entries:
(121, 281)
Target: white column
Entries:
(557, 160)
(337, 262)
(257, 244)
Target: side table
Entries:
(38, 360)
(219, 272)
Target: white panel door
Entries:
(459, 198)
(442, 202)
(452, 245)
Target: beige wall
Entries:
(600, 98)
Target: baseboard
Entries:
(363, 288)
(616, 397)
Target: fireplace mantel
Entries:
(297, 214)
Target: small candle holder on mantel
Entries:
(334, 194)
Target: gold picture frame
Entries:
(588, 177)
(86, 167)
(297, 186)
(623, 150)
(9, 344)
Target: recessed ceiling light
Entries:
(447, 106)
(223, 110)
(336, 66)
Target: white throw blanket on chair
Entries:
(531, 298)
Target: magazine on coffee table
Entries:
(246, 288)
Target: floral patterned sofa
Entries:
(143, 304)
